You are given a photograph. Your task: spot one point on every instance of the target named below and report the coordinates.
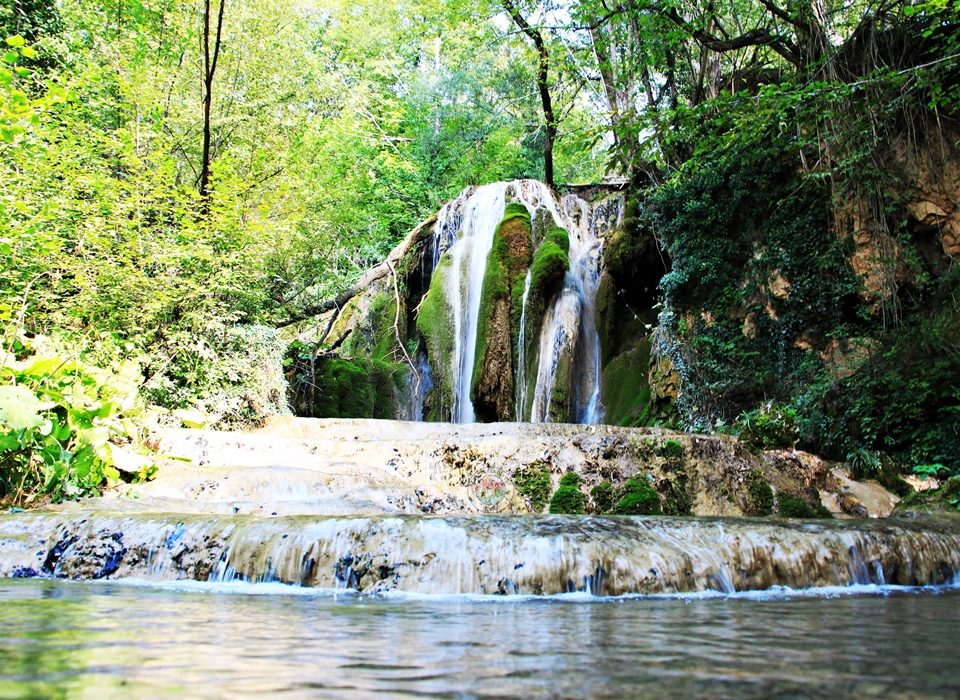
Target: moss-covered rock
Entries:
(639, 498)
(760, 494)
(568, 498)
(435, 326)
(349, 388)
(604, 497)
(551, 260)
(492, 379)
(533, 482)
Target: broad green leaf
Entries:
(16, 41)
(28, 52)
(19, 408)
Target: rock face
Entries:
(334, 467)
(478, 554)
(443, 508)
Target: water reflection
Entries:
(100, 641)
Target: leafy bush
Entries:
(864, 464)
(57, 418)
(771, 425)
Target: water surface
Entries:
(102, 640)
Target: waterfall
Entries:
(482, 211)
(464, 231)
(521, 385)
(488, 554)
(569, 328)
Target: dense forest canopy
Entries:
(176, 170)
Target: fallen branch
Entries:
(375, 273)
(396, 327)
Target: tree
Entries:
(210, 60)
(543, 87)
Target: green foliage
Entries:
(761, 495)
(864, 464)
(771, 425)
(603, 496)
(904, 401)
(533, 482)
(58, 414)
(934, 470)
(329, 386)
(568, 498)
(639, 498)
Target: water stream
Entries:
(63, 639)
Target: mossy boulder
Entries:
(338, 387)
(492, 379)
(760, 495)
(568, 498)
(533, 482)
(551, 261)
(639, 498)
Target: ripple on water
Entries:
(236, 640)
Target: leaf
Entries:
(28, 52)
(19, 408)
(16, 41)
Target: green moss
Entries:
(624, 387)
(760, 493)
(804, 505)
(551, 261)
(533, 482)
(435, 326)
(791, 507)
(639, 498)
(503, 279)
(672, 450)
(568, 498)
(604, 497)
(355, 388)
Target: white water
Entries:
(481, 212)
(569, 326)
(521, 385)
(464, 231)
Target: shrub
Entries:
(57, 418)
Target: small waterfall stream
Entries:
(485, 554)
(521, 383)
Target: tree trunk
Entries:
(209, 70)
(542, 85)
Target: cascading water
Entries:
(482, 211)
(465, 231)
(569, 329)
(521, 352)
